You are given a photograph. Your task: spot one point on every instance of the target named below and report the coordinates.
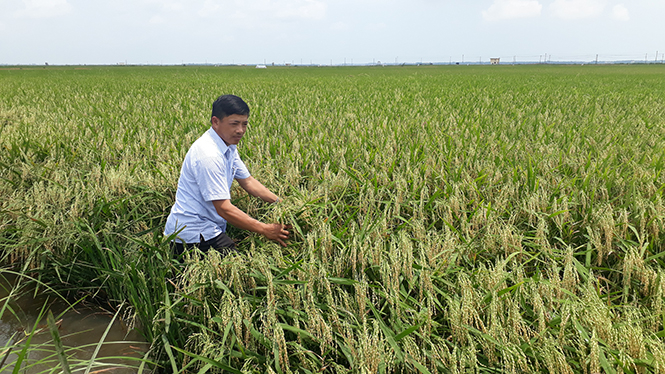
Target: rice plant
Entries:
(446, 219)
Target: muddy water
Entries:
(81, 328)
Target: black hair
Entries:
(227, 105)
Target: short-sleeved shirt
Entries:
(206, 175)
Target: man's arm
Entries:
(240, 219)
(256, 189)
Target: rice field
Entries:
(447, 219)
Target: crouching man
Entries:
(203, 205)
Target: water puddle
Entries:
(81, 329)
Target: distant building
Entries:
(261, 67)
(494, 61)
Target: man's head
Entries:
(227, 105)
(229, 118)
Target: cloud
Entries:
(307, 9)
(375, 27)
(167, 5)
(509, 9)
(261, 10)
(156, 20)
(209, 9)
(43, 8)
(577, 9)
(340, 26)
(620, 12)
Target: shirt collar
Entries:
(225, 149)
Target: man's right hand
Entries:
(239, 219)
(277, 232)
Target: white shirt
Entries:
(206, 175)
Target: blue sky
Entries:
(325, 31)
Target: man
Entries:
(203, 205)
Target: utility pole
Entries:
(656, 61)
(514, 59)
(545, 60)
(645, 57)
(596, 58)
(462, 58)
(540, 59)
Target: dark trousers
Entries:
(222, 243)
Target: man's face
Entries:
(230, 128)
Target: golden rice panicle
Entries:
(538, 309)
(561, 209)
(441, 356)
(413, 350)
(513, 360)
(496, 319)
(361, 298)
(632, 337)
(555, 360)
(517, 328)
(542, 235)
(283, 353)
(602, 231)
(567, 314)
(634, 267)
(554, 276)
(389, 272)
(594, 355)
(596, 312)
(316, 323)
(372, 351)
(454, 315)
(657, 349)
(405, 252)
(596, 243)
(571, 278)
(511, 240)
(469, 358)
(469, 308)
(352, 256)
(658, 303)
(426, 289)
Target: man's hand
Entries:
(239, 219)
(277, 232)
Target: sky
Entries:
(328, 31)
